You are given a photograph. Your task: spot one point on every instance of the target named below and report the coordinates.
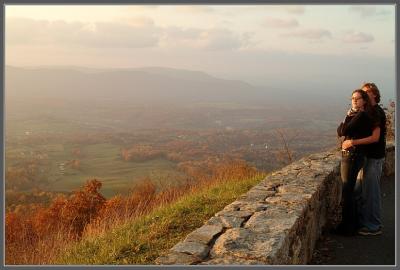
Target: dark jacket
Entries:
(356, 126)
(377, 150)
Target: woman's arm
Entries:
(351, 122)
(367, 140)
(340, 130)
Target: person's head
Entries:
(360, 100)
(372, 91)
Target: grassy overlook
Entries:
(87, 228)
(142, 240)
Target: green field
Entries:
(100, 161)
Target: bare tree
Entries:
(286, 153)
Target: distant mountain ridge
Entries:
(150, 84)
(154, 97)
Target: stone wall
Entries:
(278, 221)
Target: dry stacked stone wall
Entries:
(278, 221)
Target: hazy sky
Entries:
(283, 45)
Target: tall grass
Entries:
(130, 229)
(142, 239)
(144, 197)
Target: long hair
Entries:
(374, 89)
(370, 110)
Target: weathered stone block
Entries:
(259, 222)
(235, 206)
(275, 219)
(288, 199)
(389, 165)
(247, 244)
(214, 221)
(292, 188)
(204, 234)
(232, 222)
(255, 195)
(231, 260)
(226, 221)
(295, 250)
(239, 214)
(255, 207)
(192, 248)
(177, 258)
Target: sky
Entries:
(289, 46)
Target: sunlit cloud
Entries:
(357, 37)
(139, 21)
(217, 30)
(280, 23)
(295, 9)
(121, 35)
(364, 11)
(195, 9)
(182, 33)
(138, 32)
(223, 39)
(138, 8)
(135, 34)
(174, 37)
(368, 11)
(280, 9)
(206, 39)
(311, 34)
(24, 31)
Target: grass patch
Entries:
(101, 161)
(142, 240)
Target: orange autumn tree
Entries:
(65, 218)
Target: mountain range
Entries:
(137, 86)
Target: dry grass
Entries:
(39, 238)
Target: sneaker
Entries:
(366, 231)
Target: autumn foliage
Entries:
(140, 153)
(37, 237)
(390, 120)
(64, 220)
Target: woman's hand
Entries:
(352, 111)
(347, 144)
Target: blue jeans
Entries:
(369, 192)
(349, 169)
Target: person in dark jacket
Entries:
(357, 124)
(370, 207)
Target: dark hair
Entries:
(374, 89)
(367, 106)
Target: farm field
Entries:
(101, 161)
(59, 150)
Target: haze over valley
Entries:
(74, 124)
(147, 97)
